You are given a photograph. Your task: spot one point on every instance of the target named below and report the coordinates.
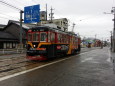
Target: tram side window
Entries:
(53, 37)
(35, 36)
(48, 36)
(43, 36)
(59, 38)
(29, 36)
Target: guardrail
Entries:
(12, 51)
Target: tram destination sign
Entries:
(32, 14)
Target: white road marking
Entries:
(87, 59)
(108, 60)
(26, 71)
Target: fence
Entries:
(12, 51)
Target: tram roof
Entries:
(47, 28)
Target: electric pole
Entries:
(113, 37)
(46, 12)
(73, 27)
(111, 40)
(95, 39)
(113, 12)
(51, 15)
(21, 27)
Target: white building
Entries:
(61, 23)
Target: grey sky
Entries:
(90, 12)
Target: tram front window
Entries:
(29, 36)
(35, 36)
(43, 36)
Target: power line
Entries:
(9, 5)
(20, 2)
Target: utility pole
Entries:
(73, 27)
(113, 12)
(111, 40)
(95, 36)
(21, 12)
(46, 12)
(113, 37)
(51, 15)
(95, 39)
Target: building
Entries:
(7, 40)
(10, 34)
(2, 26)
(61, 23)
(43, 16)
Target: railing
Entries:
(12, 51)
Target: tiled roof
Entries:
(6, 35)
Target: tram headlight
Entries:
(34, 46)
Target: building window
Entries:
(14, 45)
(4, 46)
(8, 45)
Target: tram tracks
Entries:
(12, 65)
(8, 66)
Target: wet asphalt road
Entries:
(91, 68)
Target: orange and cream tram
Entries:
(44, 42)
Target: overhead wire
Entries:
(11, 6)
(14, 3)
(20, 2)
(4, 13)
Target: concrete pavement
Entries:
(92, 68)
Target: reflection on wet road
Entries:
(91, 68)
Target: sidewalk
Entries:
(112, 56)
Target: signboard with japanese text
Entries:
(32, 14)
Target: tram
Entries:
(45, 42)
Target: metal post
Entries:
(113, 11)
(111, 41)
(21, 28)
(46, 12)
(113, 37)
(73, 27)
(51, 14)
(95, 39)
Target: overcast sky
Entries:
(86, 14)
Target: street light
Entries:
(113, 38)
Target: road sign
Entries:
(32, 14)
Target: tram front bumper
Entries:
(36, 52)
